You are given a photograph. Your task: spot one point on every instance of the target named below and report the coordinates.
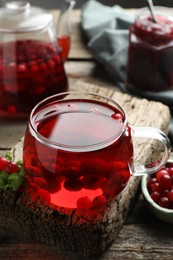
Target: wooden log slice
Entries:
(84, 231)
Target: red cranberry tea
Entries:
(150, 57)
(78, 153)
(29, 72)
(64, 43)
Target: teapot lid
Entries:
(20, 17)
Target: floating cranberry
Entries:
(54, 184)
(44, 194)
(93, 182)
(73, 185)
(33, 171)
(39, 181)
(21, 68)
(93, 166)
(83, 202)
(99, 200)
(72, 170)
(51, 169)
(118, 117)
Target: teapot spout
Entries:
(64, 27)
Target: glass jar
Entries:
(150, 54)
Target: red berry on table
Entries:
(3, 163)
(11, 167)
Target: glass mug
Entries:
(150, 54)
(78, 150)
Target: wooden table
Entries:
(142, 237)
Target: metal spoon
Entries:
(151, 8)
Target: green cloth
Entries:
(106, 29)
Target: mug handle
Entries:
(153, 133)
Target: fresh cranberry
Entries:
(160, 173)
(11, 168)
(165, 181)
(170, 195)
(156, 196)
(3, 163)
(92, 182)
(150, 183)
(164, 202)
(160, 186)
(155, 186)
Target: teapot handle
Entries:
(153, 133)
(63, 27)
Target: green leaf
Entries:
(19, 163)
(14, 181)
(2, 184)
(4, 175)
(8, 156)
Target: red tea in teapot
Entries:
(77, 153)
(30, 70)
(64, 43)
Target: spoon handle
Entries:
(151, 7)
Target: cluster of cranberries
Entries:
(29, 68)
(11, 173)
(160, 186)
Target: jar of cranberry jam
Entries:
(150, 54)
(31, 67)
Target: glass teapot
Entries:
(31, 63)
